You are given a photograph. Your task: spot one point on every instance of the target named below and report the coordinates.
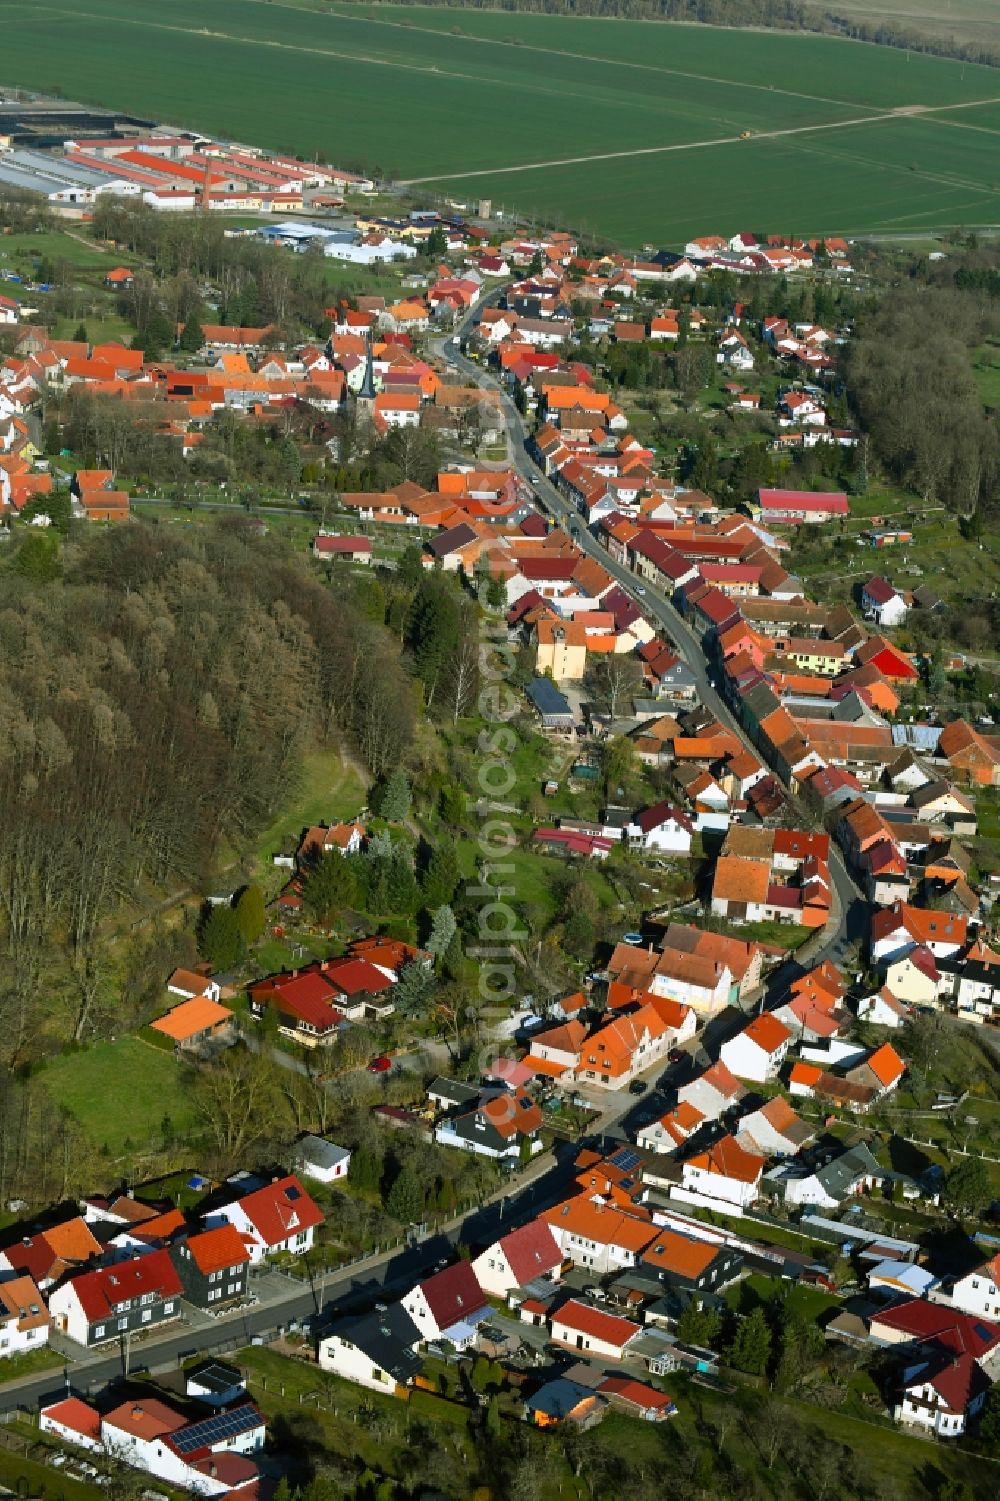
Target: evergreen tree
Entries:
(395, 797)
(81, 336)
(441, 876)
(433, 630)
(405, 1201)
(989, 1426)
(410, 566)
(250, 915)
(193, 336)
(220, 941)
(365, 1170)
(331, 885)
(750, 1350)
(401, 884)
(443, 930)
(496, 594)
(414, 988)
(453, 806)
(699, 1326)
(494, 1422)
(578, 934)
(967, 1187)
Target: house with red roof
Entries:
(96, 1306)
(887, 659)
(201, 1456)
(448, 1305)
(920, 1323)
(942, 1392)
(592, 1331)
(501, 1123)
(670, 1130)
(24, 1318)
(882, 603)
(725, 1172)
(279, 1216)
(518, 1258)
(304, 1001)
(74, 1422)
(599, 1236)
(881, 1070)
(914, 977)
(758, 1051)
(897, 929)
(978, 1292)
(214, 1267)
(800, 507)
(637, 1399)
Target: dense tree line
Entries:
(785, 15)
(777, 15)
(157, 694)
(253, 284)
(911, 382)
(885, 33)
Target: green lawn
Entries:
(26, 1477)
(784, 935)
(120, 1091)
(539, 97)
(19, 250)
(986, 369)
(18, 1367)
(330, 791)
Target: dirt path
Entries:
(909, 111)
(90, 244)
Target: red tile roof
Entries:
(214, 1250)
(607, 1327)
(101, 1291)
(453, 1294)
(767, 1032)
(281, 1209)
(933, 1321)
(76, 1415)
(531, 1251)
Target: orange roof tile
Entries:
(191, 1017)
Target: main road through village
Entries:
(282, 1299)
(848, 924)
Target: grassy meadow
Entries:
(552, 111)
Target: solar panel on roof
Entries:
(219, 1426)
(625, 1158)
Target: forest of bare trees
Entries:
(157, 696)
(910, 379)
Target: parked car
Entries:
(380, 1065)
(638, 1086)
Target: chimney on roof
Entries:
(137, 1411)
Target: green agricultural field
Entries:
(630, 130)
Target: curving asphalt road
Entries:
(849, 923)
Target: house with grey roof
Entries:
(826, 1184)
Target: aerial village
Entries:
(754, 1073)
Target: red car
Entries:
(380, 1065)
